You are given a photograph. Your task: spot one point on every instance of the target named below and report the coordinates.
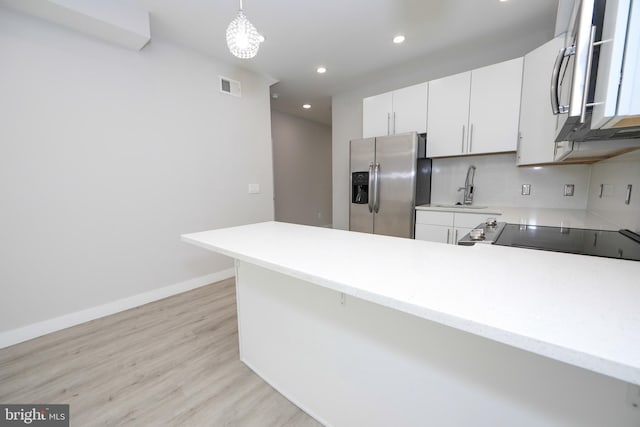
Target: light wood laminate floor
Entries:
(173, 362)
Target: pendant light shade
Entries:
(243, 39)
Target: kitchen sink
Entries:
(461, 206)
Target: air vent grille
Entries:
(230, 87)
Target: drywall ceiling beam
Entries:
(121, 23)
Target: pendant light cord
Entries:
(240, 4)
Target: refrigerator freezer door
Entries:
(362, 160)
(396, 185)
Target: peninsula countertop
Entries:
(578, 309)
(552, 217)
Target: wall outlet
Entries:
(526, 189)
(568, 189)
(254, 188)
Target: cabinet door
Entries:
(434, 218)
(433, 233)
(537, 122)
(376, 115)
(459, 233)
(448, 115)
(495, 107)
(410, 109)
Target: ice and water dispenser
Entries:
(360, 190)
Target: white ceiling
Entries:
(350, 37)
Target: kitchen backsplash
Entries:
(615, 175)
(498, 182)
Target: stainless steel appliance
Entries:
(389, 176)
(622, 244)
(594, 86)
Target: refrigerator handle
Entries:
(376, 202)
(370, 187)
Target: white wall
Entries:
(302, 170)
(615, 174)
(498, 182)
(347, 106)
(106, 156)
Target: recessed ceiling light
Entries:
(321, 70)
(398, 39)
(306, 106)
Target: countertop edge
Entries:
(553, 351)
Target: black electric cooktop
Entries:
(622, 244)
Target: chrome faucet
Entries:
(468, 186)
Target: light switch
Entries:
(254, 188)
(526, 189)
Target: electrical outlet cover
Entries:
(568, 189)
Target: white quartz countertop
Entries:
(577, 309)
(576, 218)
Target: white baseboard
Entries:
(35, 330)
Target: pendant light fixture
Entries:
(243, 39)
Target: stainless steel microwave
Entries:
(595, 84)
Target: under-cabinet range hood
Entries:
(593, 151)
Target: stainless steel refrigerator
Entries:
(389, 177)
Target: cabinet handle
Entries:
(555, 79)
(388, 123)
(470, 137)
(394, 122)
(448, 232)
(462, 147)
(455, 239)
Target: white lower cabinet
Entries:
(433, 233)
(446, 227)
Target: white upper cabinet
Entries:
(495, 107)
(410, 109)
(475, 112)
(376, 115)
(400, 111)
(537, 122)
(448, 115)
